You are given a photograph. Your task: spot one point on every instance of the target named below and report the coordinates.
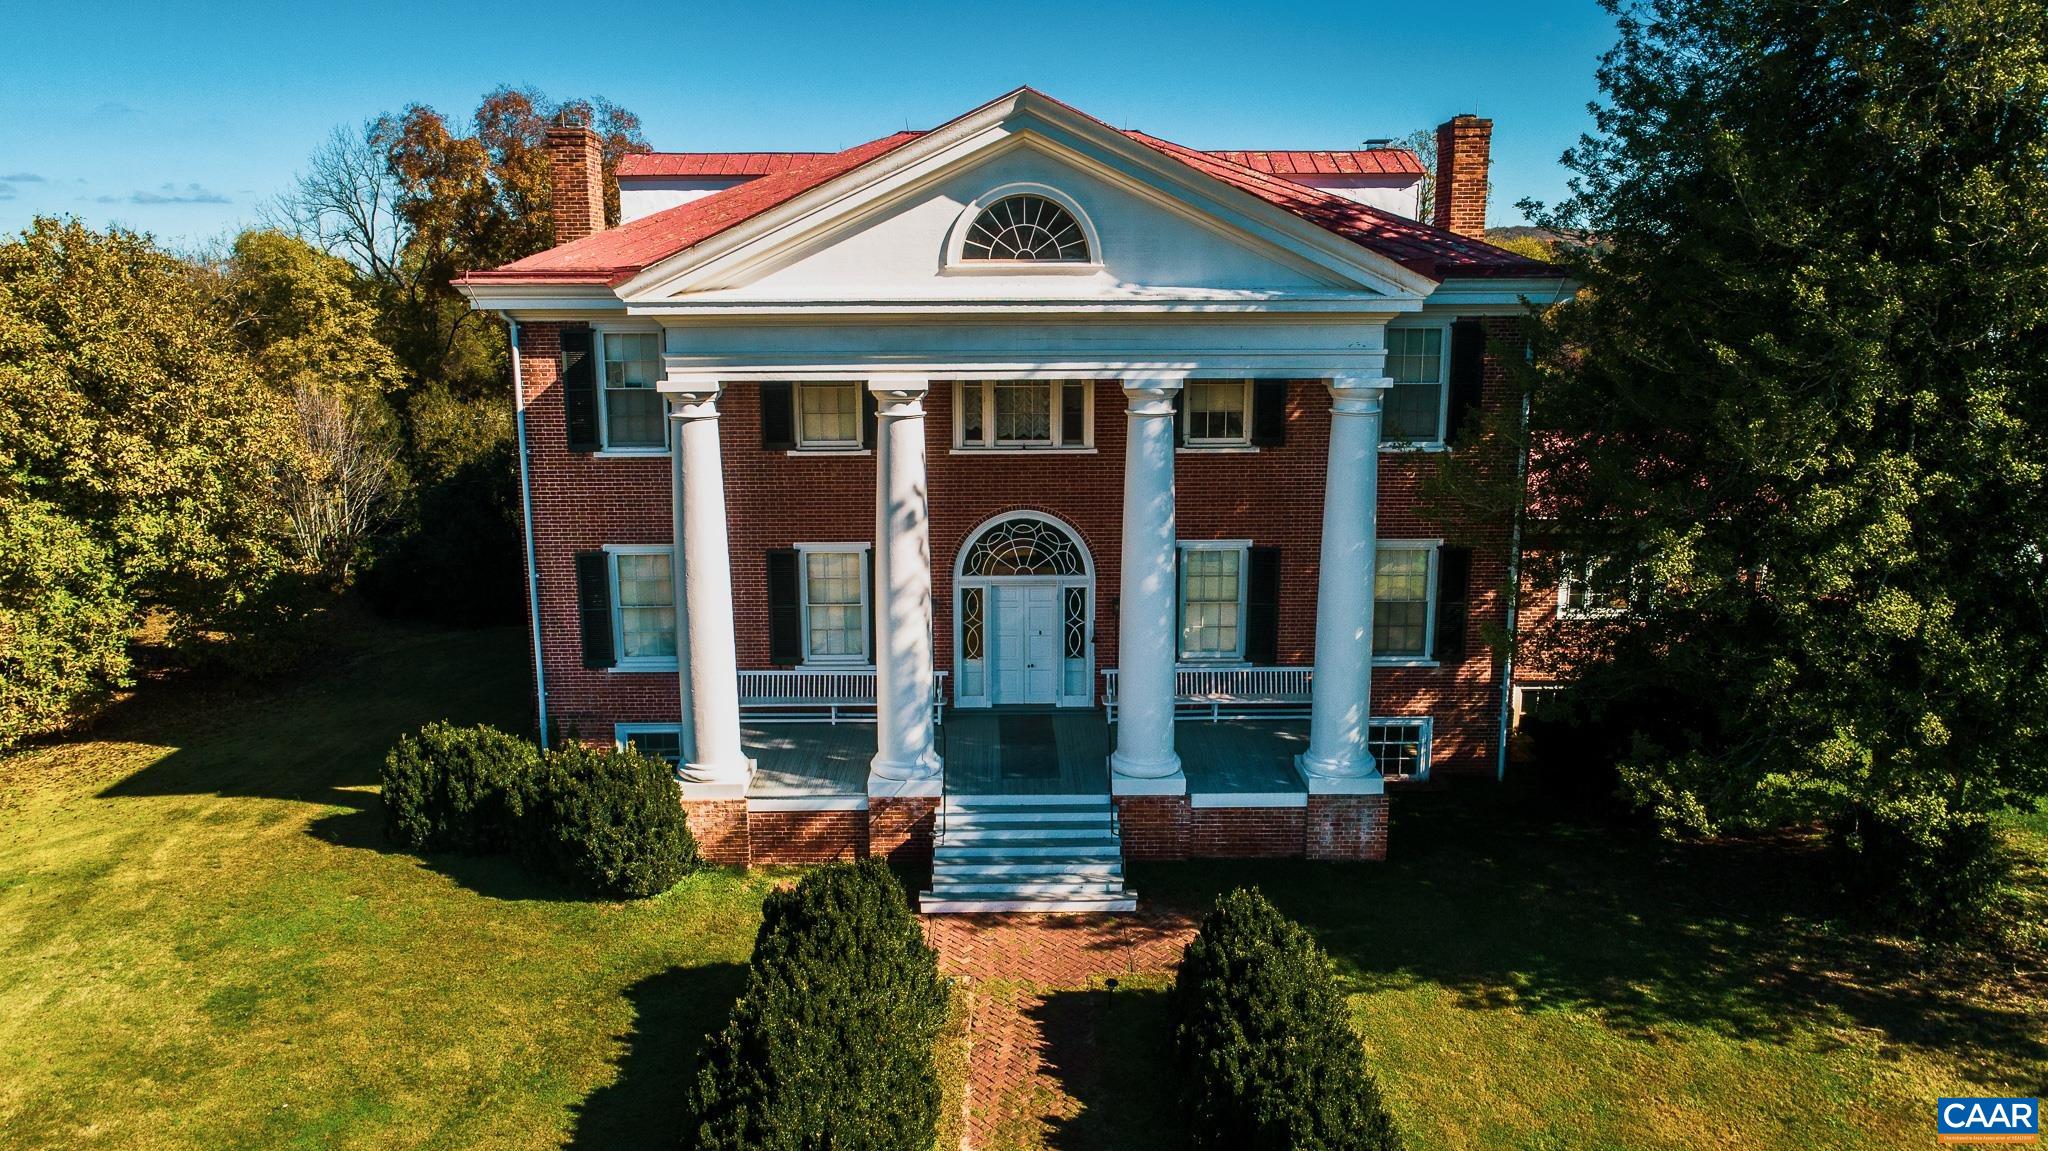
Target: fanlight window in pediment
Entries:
(1026, 227)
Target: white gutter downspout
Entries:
(1507, 670)
(540, 682)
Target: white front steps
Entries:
(1027, 853)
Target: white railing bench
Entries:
(1219, 693)
(819, 695)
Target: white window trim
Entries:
(1243, 548)
(956, 239)
(623, 733)
(1443, 390)
(604, 423)
(858, 445)
(1578, 573)
(867, 607)
(621, 662)
(1208, 443)
(1433, 548)
(1428, 740)
(1056, 424)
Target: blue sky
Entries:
(183, 120)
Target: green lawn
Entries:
(204, 943)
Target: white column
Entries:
(1144, 762)
(718, 767)
(1337, 761)
(906, 760)
(687, 728)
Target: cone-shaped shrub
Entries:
(1266, 1057)
(611, 820)
(832, 1046)
(457, 788)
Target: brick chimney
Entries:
(1464, 150)
(576, 178)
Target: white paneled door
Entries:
(1026, 627)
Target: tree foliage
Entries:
(63, 620)
(833, 1044)
(126, 408)
(1805, 394)
(1265, 1056)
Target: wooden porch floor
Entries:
(1025, 752)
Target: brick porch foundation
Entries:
(900, 830)
(720, 828)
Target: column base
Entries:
(1355, 777)
(922, 786)
(1132, 767)
(716, 780)
(926, 766)
(1174, 782)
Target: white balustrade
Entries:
(819, 695)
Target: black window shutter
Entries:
(1269, 413)
(868, 419)
(1073, 416)
(579, 390)
(785, 609)
(1262, 607)
(1453, 601)
(1180, 414)
(594, 607)
(1468, 374)
(874, 599)
(778, 417)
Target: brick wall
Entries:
(787, 837)
(900, 830)
(1246, 833)
(1464, 147)
(720, 827)
(1155, 827)
(775, 499)
(1346, 827)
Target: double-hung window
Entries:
(1403, 600)
(828, 416)
(835, 598)
(643, 606)
(1216, 413)
(1019, 415)
(631, 366)
(1595, 589)
(1212, 601)
(1416, 405)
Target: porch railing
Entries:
(1218, 693)
(820, 695)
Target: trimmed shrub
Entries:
(463, 789)
(1917, 866)
(1265, 1055)
(611, 821)
(834, 1042)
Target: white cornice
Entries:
(1497, 295)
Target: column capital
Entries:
(899, 395)
(1151, 393)
(692, 397)
(1357, 394)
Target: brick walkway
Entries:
(1014, 1094)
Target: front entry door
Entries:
(1026, 627)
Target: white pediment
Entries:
(1168, 236)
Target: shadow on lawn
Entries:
(322, 738)
(673, 1013)
(1489, 897)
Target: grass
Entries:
(204, 942)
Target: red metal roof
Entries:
(1358, 162)
(613, 256)
(646, 164)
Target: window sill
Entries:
(1406, 447)
(629, 453)
(1021, 452)
(1404, 661)
(828, 665)
(1218, 449)
(643, 666)
(1187, 663)
(963, 267)
(1589, 616)
(800, 452)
